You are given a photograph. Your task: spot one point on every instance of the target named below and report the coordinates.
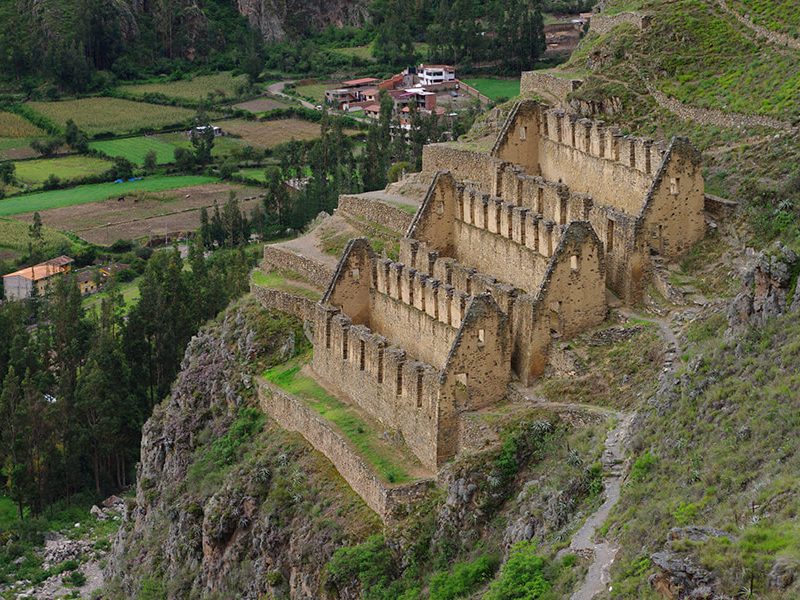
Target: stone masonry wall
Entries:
(279, 258)
(548, 85)
(290, 413)
(375, 211)
(602, 24)
(465, 164)
(272, 299)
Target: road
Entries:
(276, 89)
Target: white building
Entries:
(433, 74)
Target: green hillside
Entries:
(696, 53)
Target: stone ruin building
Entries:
(512, 248)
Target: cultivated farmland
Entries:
(267, 134)
(14, 126)
(84, 194)
(102, 115)
(35, 172)
(136, 148)
(146, 214)
(14, 238)
(314, 91)
(222, 85)
(259, 105)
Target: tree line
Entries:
(78, 385)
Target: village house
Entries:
(20, 285)
(435, 74)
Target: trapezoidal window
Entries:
(462, 379)
(439, 208)
(481, 338)
(419, 389)
(573, 263)
(356, 274)
(523, 133)
(674, 185)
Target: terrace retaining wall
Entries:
(272, 299)
(389, 502)
(376, 211)
(279, 258)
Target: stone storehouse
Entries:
(641, 197)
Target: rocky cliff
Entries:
(279, 19)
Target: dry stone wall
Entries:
(279, 258)
(375, 211)
(602, 24)
(292, 414)
(548, 85)
(272, 299)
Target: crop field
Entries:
(362, 52)
(495, 88)
(35, 172)
(16, 148)
(84, 194)
(14, 126)
(145, 214)
(314, 91)
(222, 85)
(130, 296)
(136, 148)
(222, 144)
(267, 134)
(259, 105)
(101, 115)
(14, 238)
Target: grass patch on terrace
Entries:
(112, 115)
(383, 457)
(286, 281)
(135, 149)
(362, 52)
(221, 85)
(84, 194)
(67, 168)
(495, 88)
(778, 15)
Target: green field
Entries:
(362, 52)
(777, 15)
(129, 291)
(495, 88)
(102, 115)
(35, 172)
(314, 91)
(222, 85)
(15, 235)
(136, 148)
(14, 126)
(85, 194)
(386, 459)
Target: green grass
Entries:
(495, 88)
(102, 115)
(67, 168)
(382, 456)
(283, 281)
(136, 148)
(95, 193)
(362, 52)
(14, 236)
(8, 513)
(314, 91)
(129, 291)
(222, 85)
(222, 145)
(778, 15)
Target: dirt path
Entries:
(604, 552)
(309, 245)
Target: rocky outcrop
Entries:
(224, 497)
(278, 20)
(769, 288)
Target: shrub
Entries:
(642, 466)
(463, 579)
(522, 576)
